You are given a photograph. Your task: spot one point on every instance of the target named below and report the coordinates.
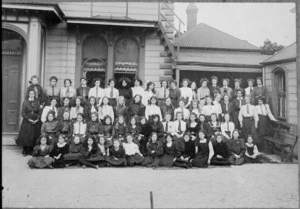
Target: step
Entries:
(9, 139)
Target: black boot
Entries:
(24, 152)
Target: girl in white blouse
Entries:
(217, 105)
(133, 154)
(79, 127)
(137, 89)
(227, 127)
(105, 109)
(152, 109)
(208, 108)
(186, 92)
(195, 107)
(77, 109)
(181, 108)
(148, 93)
(47, 109)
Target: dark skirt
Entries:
(72, 156)
(220, 161)
(262, 127)
(258, 159)
(167, 160)
(98, 158)
(200, 161)
(119, 162)
(29, 133)
(40, 162)
(151, 161)
(135, 159)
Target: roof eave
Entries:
(217, 64)
(278, 61)
(221, 49)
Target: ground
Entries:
(263, 185)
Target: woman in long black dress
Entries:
(204, 151)
(117, 155)
(154, 151)
(125, 90)
(221, 153)
(31, 125)
(59, 150)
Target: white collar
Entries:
(61, 145)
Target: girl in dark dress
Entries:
(89, 151)
(192, 125)
(252, 155)
(120, 128)
(65, 127)
(134, 129)
(237, 149)
(50, 128)
(108, 127)
(154, 151)
(100, 159)
(188, 152)
(93, 127)
(204, 151)
(125, 90)
(116, 155)
(30, 129)
(65, 108)
(167, 107)
(221, 153)
(40, 156)
(204, 126)
(171, 152)
(136, 108)
(143, 138)
(120, 109)
(157, 126)
(59, 150)
(214, 125)
(133, 154)
(91, 107)
(74, 155)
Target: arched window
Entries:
(279, 93)
(94, 59)
(126, 58)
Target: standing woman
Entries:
(68, 90)
(186, 92)
(83, 91)
(203, 91)
(217, 105)
(237, 86)
(148, 93)
(111, 92)
(260, 91)
(38, 90)
(204, 151)
(162, 93)
(138, 89)
(125, 90)
(31, 125)
(249, 89)
(52, 108)
(174, 94)
(76, 109)
(152, 109)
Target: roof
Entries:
(205, 36)
(288, 53)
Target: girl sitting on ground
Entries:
(154, 151)
(252, 155)
(133, 154)
(143, 138)
(237, 149)
(221, 153)
(59, 150)
(65, 126)
(89, 151)
(188, 151)
(93, 127)
(74, 155)
(116, 155)
(120, 128)
(79, 127)
(100, 158)
(40, 156)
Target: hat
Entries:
(238, 80)
(214, 77)
(203, 79)
(53, 78)
(250, 79)
(225, 79)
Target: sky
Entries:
(253, 22)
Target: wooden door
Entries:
(11, 72)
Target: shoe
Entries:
(83, 166)
(96, 166)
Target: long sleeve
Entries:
(271, 116)
(255, 114)
(44, 114)
(211, 150)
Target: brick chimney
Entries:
(191, 12)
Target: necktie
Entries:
(227, 126)
(165, 93)
(179, 126)
(182, 112)
(247, 109)
(226, 107)
(112, 93)
(36, 91)
(167, 128)
(67, 92)
(52, 90)
(79, 127)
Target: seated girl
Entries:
(134, 129)
(152, 109)
(90, 108)
(214, 125)
(47, 109)
(133, 154)
(221, 153)
(252, 155)
(194, 108)
(59, 150)
(120, 109)
(40, 156)
(74, 155)
(79, 127)
(167, 107)
(116, 155)
(120, 128)
(50, 128)
(65, 108)
(237, 149)
(192, 125)
(93, 127)
(208, 108)
(108, 129)
(143, 137)
(154, 151)
(136, 109)
(188, 152)
(100, 159)
(204, 126)
(89, 151)
(179, 126)
(227, 127)
(204, 151)
(185, 112)
(76, 109)
(157, 126)
(168, 126)
(105, 110)
(65, 126)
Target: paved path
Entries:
(266, 185)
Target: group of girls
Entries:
(173, 126)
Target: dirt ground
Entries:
(263, 185)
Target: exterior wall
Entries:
(60, 54)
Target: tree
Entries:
(270, 48)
